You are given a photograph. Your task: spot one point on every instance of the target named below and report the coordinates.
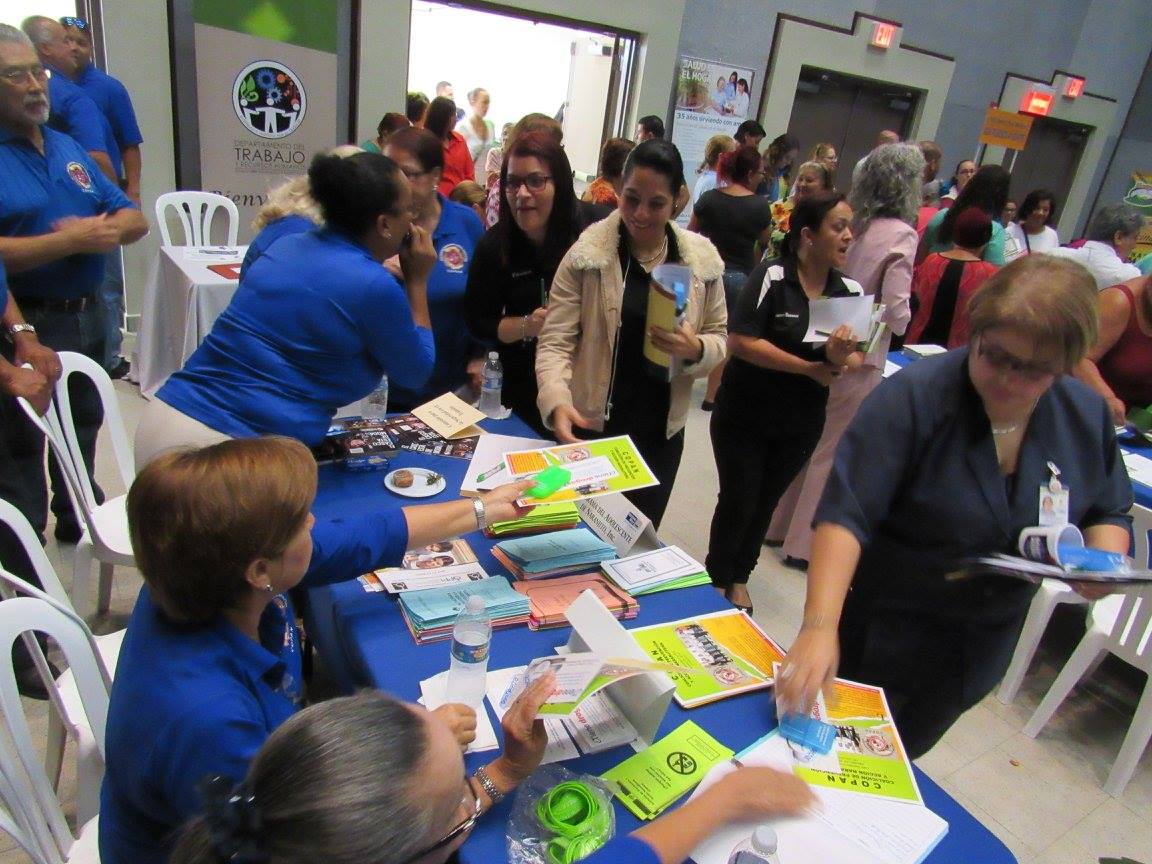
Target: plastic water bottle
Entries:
(471, 636)
(493, 383)
(374, 406)
(760, 848)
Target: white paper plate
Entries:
(420, 487)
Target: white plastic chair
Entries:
(68, 716)
(1122, 625)
(106, 525)
(23, 776)
(196, 211)
(1051, 594)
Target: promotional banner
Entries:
(711, 99)
(266, 85)
(1140, 196)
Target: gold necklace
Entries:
(659, 253)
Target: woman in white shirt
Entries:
(478, 132)
(1031, 230)
(740, 103)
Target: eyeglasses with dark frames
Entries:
(534, 182)
(458, 830)
(1006, 362)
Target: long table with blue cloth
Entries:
(362, 641)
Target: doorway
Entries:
(848, 112)
(1048, 161)
(578, 73)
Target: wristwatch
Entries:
(484, 780)
(20, 328)
(481, 516)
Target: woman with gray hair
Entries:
(1111, 238)
(886, 200)
(386, 783)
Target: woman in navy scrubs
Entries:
(455, 230)
(948, 459)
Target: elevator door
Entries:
(848, 112)
(1049, 160)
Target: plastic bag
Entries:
(559, 817)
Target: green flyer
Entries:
(599, 467)
(653, 779)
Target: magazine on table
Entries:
(598, 467)
(356, 443)
(446, 562)
(411, 433)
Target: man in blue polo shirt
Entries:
(59, 217)
(72, 111)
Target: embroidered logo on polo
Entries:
(454, 257)
(80, 176)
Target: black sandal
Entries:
(742, 608)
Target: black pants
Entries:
(932, 667)
(757, 457)
(22, 481)
(662, 455)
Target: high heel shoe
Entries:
(741, 607)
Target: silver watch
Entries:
(20, 328)
(486, 783)
(481, 516)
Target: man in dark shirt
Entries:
(59, 217)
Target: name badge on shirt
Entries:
(1053, 500)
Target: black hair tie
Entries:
(233, 819)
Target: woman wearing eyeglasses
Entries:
(455, 229)
(511, 274)
(948, 459)
(211, 663)
(367, 778)
(590, 366)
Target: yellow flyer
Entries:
(599, 467)
(868, 755)
(733, 652)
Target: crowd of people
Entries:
(437, 241)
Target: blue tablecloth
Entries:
(362, 641)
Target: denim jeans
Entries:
(111, 299)
(733, 282)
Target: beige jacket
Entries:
(574, 354)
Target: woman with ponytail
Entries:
(735, 219)
(315, 322)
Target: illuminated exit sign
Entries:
(1038, 102)
(1073, 87)
(883, 33)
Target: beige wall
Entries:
(136, 33)
(804, 44)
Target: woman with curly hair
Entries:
(885, 200)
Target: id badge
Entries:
(1053, 505)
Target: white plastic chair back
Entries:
(196, 211)
(18, 819)
(72, 363)
(79, 485)
(42, 566)
(1131, 634)
(17, 616)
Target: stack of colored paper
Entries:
(539, 520)
(431, 613)
(552, 597)
(658, 570)
(559, 553)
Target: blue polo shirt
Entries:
(314, 324)
(74, 113)
(37, 191)
(112, 98)
(456, 235)
(270, 233)
(190, 701)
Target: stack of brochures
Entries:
(657, 570)
(550, 598)
(359, 445)
(539, 520)
(431, 613)
(559, 553)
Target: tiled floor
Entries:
(1042, 797)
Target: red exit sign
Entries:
(1037, 102)
(882, 35)
(1073, 87)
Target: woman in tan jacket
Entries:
(590, 368)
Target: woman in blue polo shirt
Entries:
(388, 785)
(314, 324)
(211, 662)
(455, 229)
